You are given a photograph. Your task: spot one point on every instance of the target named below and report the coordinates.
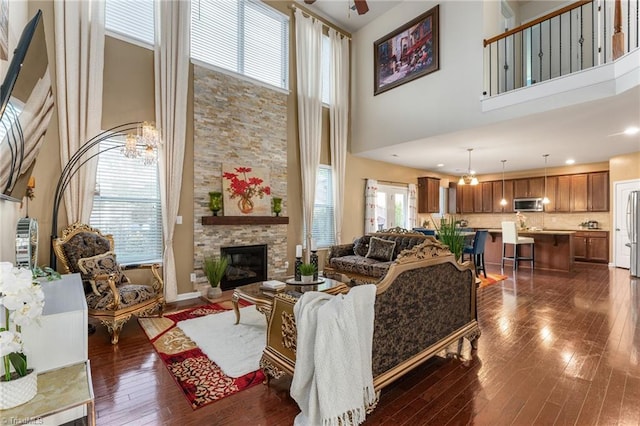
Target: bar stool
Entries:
(510, 236)
(477, 250)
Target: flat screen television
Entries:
(26, 105)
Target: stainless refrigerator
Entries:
(633, 228)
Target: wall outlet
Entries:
(178, 220)
(193, 277)
(286, 264)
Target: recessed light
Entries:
(439, 165)
(394, 155)
(631, 130)
(570, 161)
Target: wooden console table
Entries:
(58, 390)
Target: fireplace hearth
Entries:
(247, 264)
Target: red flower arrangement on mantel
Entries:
(246, 188)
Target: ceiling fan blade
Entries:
(361, 6)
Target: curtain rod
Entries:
(324, 21)
(390, 182)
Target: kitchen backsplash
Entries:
(564, 221)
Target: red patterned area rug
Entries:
(201, 380)
(491, 279)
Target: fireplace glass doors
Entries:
(247, 264)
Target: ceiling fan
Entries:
(360, 5)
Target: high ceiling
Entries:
(589, 132)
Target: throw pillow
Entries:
(361, 246)
(104, 263)
(380, 249)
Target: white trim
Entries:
(187, 296)
(239, 76)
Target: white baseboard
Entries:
(187, 296)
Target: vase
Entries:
(18, 391)
(306, 279)
(214, 292)
(215, 202)
(277, 205)
(245, 205)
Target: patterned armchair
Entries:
(111, 297)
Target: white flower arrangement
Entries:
(23, 302)
(522, 220)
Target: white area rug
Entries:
(235, 348)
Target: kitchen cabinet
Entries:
(598, 192)
(528, 188)
(559, 194)
(579, 192)
(487, 197)
(591, 246)
(464, 199)
(497, 196)
(428, 195)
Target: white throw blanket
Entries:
(333, 380)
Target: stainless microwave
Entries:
(528, 205)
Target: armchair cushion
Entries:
(104, 263)
(130, 295)
(84, 245)
(380, 249)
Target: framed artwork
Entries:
(246, 191)
(407, 53)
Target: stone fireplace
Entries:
(245, 124)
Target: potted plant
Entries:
(214, 269)
(22, 301)
(306, 272)
(449, 234)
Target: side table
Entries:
(58, 390)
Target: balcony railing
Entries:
(573, 38)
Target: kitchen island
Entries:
(554, 249)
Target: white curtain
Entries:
(79, 41)
(339, 120)
(309, 75)
(370, 199)
(413, 207)
(171, 59)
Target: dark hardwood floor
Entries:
(555, 349)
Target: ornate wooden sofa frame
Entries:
(120, 300)
(425, 303)
(344, 260)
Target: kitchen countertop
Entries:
(541, 232)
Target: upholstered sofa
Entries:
(368, 258)
(425, 303)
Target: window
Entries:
(126, 204)
(392, 207)
(243, 36)
(131, 19)
(323, 228)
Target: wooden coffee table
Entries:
(263, 299)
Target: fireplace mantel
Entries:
(245, 220)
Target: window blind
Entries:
(131, 19)
(323, 216)
(243, 36)
(126, 204)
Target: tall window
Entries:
(243, 36)
(392, 207)
(132, 20)
(126, 204)
(323, 218)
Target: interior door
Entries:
(621, 253)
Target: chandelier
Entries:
(146, 138)
(470, 177)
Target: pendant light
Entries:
(503, 202)
(545, 200)
(469, 178)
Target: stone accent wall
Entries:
(242, 123)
